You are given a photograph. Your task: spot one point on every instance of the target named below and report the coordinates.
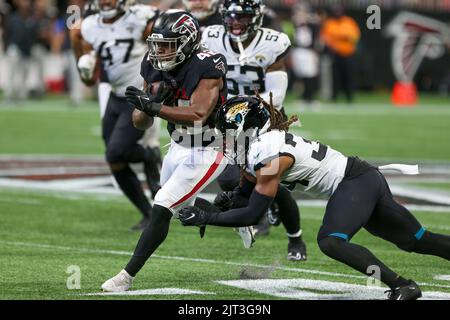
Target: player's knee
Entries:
(160, 215)
(330, 245)
(115, 155)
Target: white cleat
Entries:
(119, 283)
(247, 235)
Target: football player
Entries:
(256, 63)
(206, 11)
(114, 42)
(184, 84)
(359, 196)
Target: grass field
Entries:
(42, 234)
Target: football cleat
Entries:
(410, 291)
(297, 251)
(119, 283)
(247, 235)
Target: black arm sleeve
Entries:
(242, 217)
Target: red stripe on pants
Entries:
(203, 180)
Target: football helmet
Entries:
(201, 9)
(242, 18)
(108, 9)
(241, 120)
(175, 36)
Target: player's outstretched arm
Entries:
(267, 181)
(276, 81)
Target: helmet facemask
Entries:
(166, 53)
(241, 21)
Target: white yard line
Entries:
(200, 260)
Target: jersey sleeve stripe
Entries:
(264, 162)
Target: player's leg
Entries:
(348, 210)
(152, 167)
(121, 149)
(192, 174)
(290, 218)
(393, 222)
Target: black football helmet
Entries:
(242, 18)
(175, 36)
(240, 120)
(109, 9)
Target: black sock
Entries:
(288, 210)
(132, 188)
(152, 236)
(359, 258)
(434, 244)
(295, 240)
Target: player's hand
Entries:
(223, 200)
(142, 101)
(86, 65)
(193, 216)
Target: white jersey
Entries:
(267, 47)
(120, 45)
(317, 168)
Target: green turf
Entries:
(370, 130)
(30, 271)
(443, 186)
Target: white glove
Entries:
(86, 65)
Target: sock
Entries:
(359, 258)
(132, 188)
(152, 236)
(288, 210)
(434, 244)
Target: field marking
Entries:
(201, 260)
(307, 289)
(444, 277)
(152, 292)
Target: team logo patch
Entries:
(260, 58)
(185, 25)
(238, 112)
(221, 66)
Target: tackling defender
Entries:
(115, 35)
(256, 63)
(191, 87)
(359, 195)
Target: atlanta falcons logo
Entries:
(415, 37)
(185, 25)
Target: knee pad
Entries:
(329, 245)
(114, 155)
(160, 214)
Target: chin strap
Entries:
(402, 168)
(243, 58)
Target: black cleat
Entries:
(410, 291)
(141, 225)
(297, 251)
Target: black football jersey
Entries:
(204, 64)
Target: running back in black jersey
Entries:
(204, 64)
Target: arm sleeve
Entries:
(242, 217)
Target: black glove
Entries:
(223, 200)
(143, 101)
(193, 216)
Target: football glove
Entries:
(143, 101)
(86, 65)
(193, 216)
